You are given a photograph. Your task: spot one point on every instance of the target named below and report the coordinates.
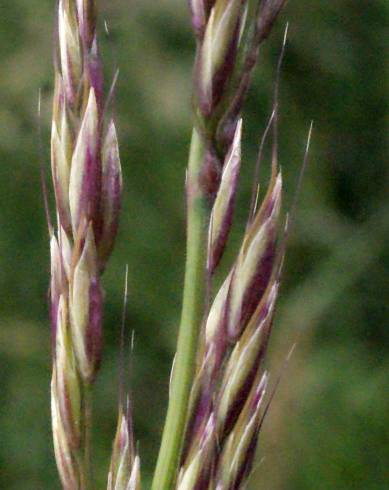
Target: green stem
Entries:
(191, 316)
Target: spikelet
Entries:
(124, 473)
(223, 208)
(238, 452)
(198, 470)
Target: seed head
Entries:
(87, 183)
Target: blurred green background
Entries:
(329, 423)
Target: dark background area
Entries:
(328, 425)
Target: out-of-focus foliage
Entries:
(328, 425)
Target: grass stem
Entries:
(192, 312)
(87, 463)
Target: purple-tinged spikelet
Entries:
(85, 171)
(197, 473)
(70, 49)
(111, 190)
(256, 261)
(245, 361)
(217, 54)
(67, 379)
(223, 208)
(86, 310)
(239, 449)
(124, 473)
(67, 464)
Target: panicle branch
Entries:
(87, 182)
(230, 381)
(226, 409)
(229, 34)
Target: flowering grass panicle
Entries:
(222, 401)
(87, 182)
(218, 386)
